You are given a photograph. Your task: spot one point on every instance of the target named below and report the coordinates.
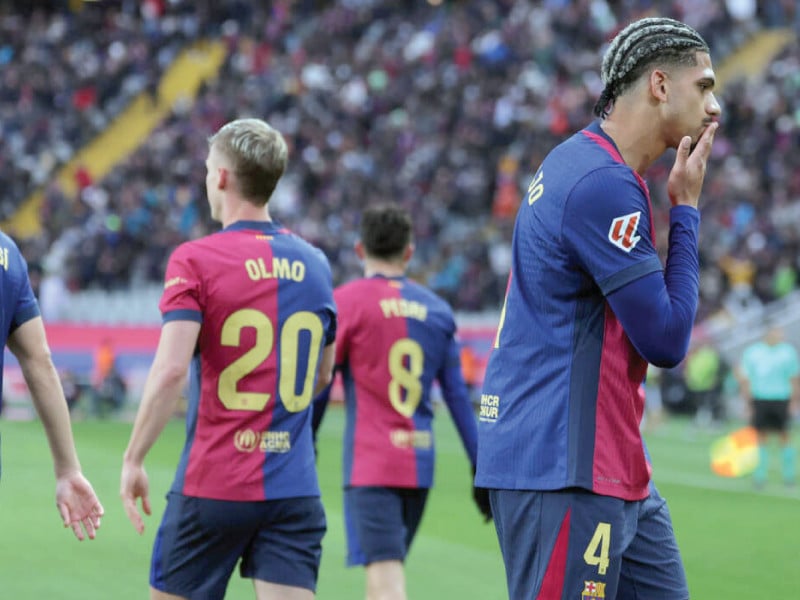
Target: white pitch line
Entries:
(720, 485)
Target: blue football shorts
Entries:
(200, 541)
(575, 545)
(381, 522)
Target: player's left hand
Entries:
(481, 497)
(78, 505)
(134, 485)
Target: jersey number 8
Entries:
(406, 364)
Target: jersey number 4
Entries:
(596, 553)
(300, 322)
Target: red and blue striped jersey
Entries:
(395, 339)
(264, 298)
(560, 405)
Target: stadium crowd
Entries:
(446, 108)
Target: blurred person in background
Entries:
(769, 378)
(704, 373)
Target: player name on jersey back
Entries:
(277, 268)
(400, 307)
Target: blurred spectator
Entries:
(444, 109)
(105, 359)
(704, 373)
(769, 376)
(109, 396)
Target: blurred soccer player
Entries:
(23, 332)
(769, 375)
(251, 310)
(395, 339)
(588, 305)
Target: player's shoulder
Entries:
(301, 246)
(420, 291)
(6, 240)
(587, 153)
(187, 250)
(439, 311)
(10, 256)
(357, 290)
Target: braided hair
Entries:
(638, 46)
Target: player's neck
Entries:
(383, 268)
(241, 210)
(635, 137)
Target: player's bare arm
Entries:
(162, 390)
(325, 369)
(76, 501)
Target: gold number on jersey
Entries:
(536, 188)
(264, 344)
(290, 351)
(231, 398)
(597, 551)
(406, 360)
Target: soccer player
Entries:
(769, 376)
(250, 310)
(24, 334)
(395, 339)
(588, 305)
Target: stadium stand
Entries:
(446, 107)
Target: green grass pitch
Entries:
(737, 543)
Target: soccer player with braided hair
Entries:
(588, 305)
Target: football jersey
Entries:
(264, 298)
(560, 405)
(395, 339)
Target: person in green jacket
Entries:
(703, 375)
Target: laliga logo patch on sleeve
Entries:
(623, 231)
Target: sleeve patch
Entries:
(622, 232)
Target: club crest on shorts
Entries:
(593, 590)
(622, 232)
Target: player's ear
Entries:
(360, 251)
(658, 84)
(408, 253)
(222, 182)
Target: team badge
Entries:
(593, 590)
(623, 231)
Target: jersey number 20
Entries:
(290, 333)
